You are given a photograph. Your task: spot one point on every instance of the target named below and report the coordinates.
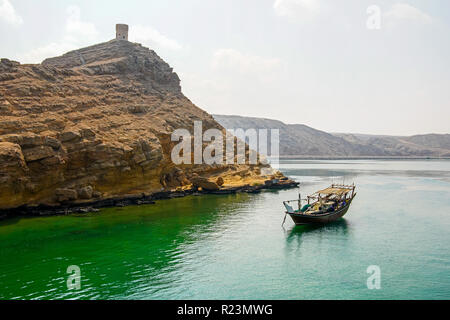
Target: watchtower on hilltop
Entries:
(121, 31)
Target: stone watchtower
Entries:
(121, 32)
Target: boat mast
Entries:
(299, 200)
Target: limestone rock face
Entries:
(96, 123)
(86, 192)
(64, 195)
(205, 184)
(220, 181)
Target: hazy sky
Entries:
(314, 62)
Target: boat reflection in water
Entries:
(340, 226)
(334, 231)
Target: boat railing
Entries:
(296, 200)
(343, 186)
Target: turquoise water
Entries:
(233, 247)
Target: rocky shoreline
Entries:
(94, 206)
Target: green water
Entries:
(233, 247)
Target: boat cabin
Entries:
(323, 201)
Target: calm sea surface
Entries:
(233, 247)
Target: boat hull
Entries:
(301, 219)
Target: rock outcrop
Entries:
(205, 184)
(96, 123)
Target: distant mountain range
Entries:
(301, 140)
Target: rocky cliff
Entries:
(95, 123)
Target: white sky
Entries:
(299, 61)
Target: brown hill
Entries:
(96, 123)
(304, 141)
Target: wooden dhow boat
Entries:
(323, 206)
